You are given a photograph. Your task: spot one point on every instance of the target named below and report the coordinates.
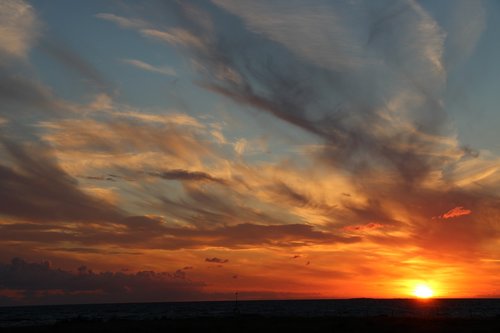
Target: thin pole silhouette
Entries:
(236, 308)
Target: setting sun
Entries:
(423, 291)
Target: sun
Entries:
(423, 291)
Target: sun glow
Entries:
(423, 291)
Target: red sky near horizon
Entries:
(168, 151)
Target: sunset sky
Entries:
(188, 150)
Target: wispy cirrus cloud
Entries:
(464, 24)
(399, 127)
(21, 92)
(123, 22)
(165, 70)
(175, 36)
(23, 96)
(35, 188)
(67, 57)
(320, 34)
(19, 28)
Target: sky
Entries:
(285, 149)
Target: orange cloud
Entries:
(455, 212)
(363, 227)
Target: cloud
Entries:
(35, 188)
(178, 119)
(294, 89)
(371, 89)
(20, 96)
(175, 36)
(364, 227)
(29, 283)
(217, 260)
(122, 21)
(165, 70)
(65, 56)
(40, 283)
(319, 34)
(464, 24)
(123, 136)
(248, 235)
(455, 212)
(291, 195)
(19, 28)
(90, 250)
(185, 175)
(142, 232)
(215, 206)
(106, 178)
(240, 146)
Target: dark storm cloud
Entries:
(34, 187)
(39, 283)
